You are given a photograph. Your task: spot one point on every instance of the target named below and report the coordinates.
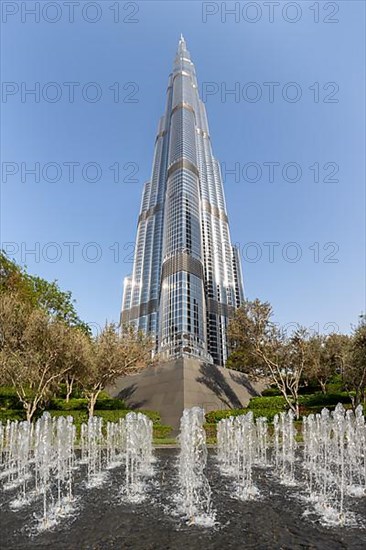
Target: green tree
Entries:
(34, 351)
(267, 352)
(113, 353)
(39, 293)
(355, 368)
(326, 356)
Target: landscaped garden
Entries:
(111, 410)
(311, 401)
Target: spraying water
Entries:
(285, 446)
(194, 490)
(334, 461)
(138, 441)
(39, 460)
(241, 444)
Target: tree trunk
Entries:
(323, 386)
(29, 410)
(353, 402)
(91, 404)
(293, 407)
(297, 407)
(69, 386)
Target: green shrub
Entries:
(7, 391)
(76, 391)
(213, 417)
(335, 384)
(12, 415)
(81, 416)
(10, 402)
(109, 415)
(161, 431)
(270, 392)
(81, 404)
(330, 400)
(110, 404)
(211, 430)
(59, 404)
(275, 403)
(9, 399)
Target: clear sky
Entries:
(127, 52)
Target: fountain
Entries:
(194, 499)
(241, 444)
(285, 445)
(47, 464)
(334, 461)
(40, 458)
(138, 449)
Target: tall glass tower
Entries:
(186, 280)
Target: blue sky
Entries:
(326, 219)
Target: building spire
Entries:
(182, 47)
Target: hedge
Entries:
(270, 392)
(81, 416)
(9, 399)
(211, 430)
(11, 414)
(81, 404)
(213, 417)
(269, 406)
(161, 431)
(108, 416)
(329, 400)
(274, 403)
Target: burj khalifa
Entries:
(186, 281)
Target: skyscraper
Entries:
(186, 280)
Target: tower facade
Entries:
(186, 280)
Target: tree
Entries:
(114, 353)
(317, 369)
(338, 349)
(355, 369)
(327, 356)
(78, 358)
(268, 353)
(39, 293)
(34, 349)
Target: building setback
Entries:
(186, 281)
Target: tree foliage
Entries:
(39, 293)
(355, 368)
(114, 353)
(267, 351)
(262, 350)
(34, 351)
(327, 355)
(43, 342)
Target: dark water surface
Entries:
(102, 521)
